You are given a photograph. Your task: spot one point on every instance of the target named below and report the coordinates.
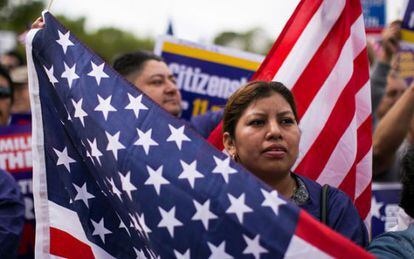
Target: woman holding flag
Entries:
(262, 134)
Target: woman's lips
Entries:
(275, 151)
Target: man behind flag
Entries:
(117, 176)
(321, 57)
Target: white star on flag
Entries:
(50, 75)
(376, 207)
(179, 255)
(99, 229)
(105, 106)
(177, 135)
(127, 185)
(203, 213)
(79, 112)
(83, 194)
(114, 189)
(238, 207)
(94, 150)
(223, 167)
(136, 104)
(156, 179)
(64, 158)
(272, 200)
(97, 72)
(145, 140)
(253, 247)
(70, 74)
(169, 221)
(218, 251)
(64, 41)
(190, 172)
(113, 143)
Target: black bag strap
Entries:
(324, 204)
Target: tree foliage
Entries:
(253, 40)
(18, 15)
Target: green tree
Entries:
(253, 40)
(18, 15)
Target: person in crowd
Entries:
(398, 243)
(21, 100)
(389, 141)
(388, 49)
(393, 135)
(11, 200)
(6, 97)
(151, 75)
(11, 60)
(11, 215)
(260, 131)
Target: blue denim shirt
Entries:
(398, 244)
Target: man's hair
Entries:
(133, 62)
(407, 180)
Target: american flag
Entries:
(117, 176)
(321, 57)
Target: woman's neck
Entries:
(285, 185)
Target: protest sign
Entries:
(206, 74)
(384, 207)
(374, 15)
(16, 158)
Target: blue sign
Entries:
(384, 207)
(374, 14)
(206, 75)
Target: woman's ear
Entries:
(229, 145)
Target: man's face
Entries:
(5, 101)
(157, 81)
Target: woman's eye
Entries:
(288, 121)
(256, 122)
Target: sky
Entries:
(195, 20)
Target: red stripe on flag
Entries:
(326, 239)
(363, 202)
(339, 120)
(324, 60)
(216, 137)
(364, 140)
(287, 39)
(65, 245)
(348, 183)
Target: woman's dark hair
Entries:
(407, 180)
(244, 96)
(131, 63)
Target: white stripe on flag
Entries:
(299, 248)
(363, 103)
(322, 105)
(68, 221)
(309, 42)
(363, 174)
(342, 158)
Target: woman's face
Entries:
(266, 138)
